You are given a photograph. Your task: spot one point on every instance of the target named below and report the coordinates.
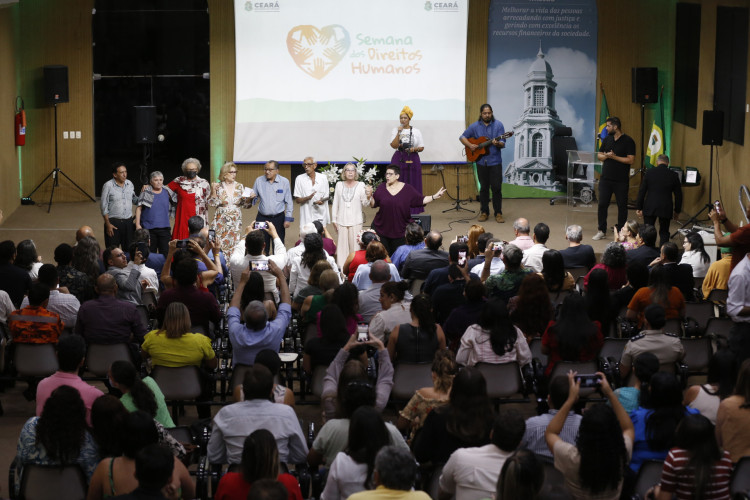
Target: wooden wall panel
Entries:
(9, 194)
(223, 81)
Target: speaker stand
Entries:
(54, 174)
(708, 206)
(457, 204)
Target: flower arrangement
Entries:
(368, 175)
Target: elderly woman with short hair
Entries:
(192, 197)
(156, 206)
(227, 197)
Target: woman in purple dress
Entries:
(395, 200)
(408, 143)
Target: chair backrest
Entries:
(612, 348)
(35, 360)
(178, 383)
(719, 327)
(536, 350)
(741, 477)
(718, 295)
(503, 379)
(316, 382)
(553, 479)
(673, 326)
(238, 375)
(408, 377)
(577, 272)
(46, 482)
(148, 299)
(698, 353)
(557, 297)
(582, 367)
(143, 313)
(700, 312)
(648, 475)
(99, 357)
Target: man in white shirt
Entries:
(532, 257)
(738, 308)
(251, 249)
(497, 265)
(63, 303)
(521, 229)
(311, 193)
(471, 473)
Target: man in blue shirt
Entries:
(258, 333)
(489, 165)
(275, 196)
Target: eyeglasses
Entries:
(232, 172)
(309, 164)
(390, 174)
(269, 169)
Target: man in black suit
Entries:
(655, 197)
(646, 252)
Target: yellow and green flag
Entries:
(656, 144)
(603, 115)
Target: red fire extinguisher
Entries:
(20, 126)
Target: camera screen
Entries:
(259, 265)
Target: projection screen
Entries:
(328, 78)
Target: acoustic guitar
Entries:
(482, 144)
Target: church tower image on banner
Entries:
(532, 164)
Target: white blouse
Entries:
(476, 348)
(693, 257)
(345, 210)
(405, 136)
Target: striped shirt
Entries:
(534, 440)
(678, 478)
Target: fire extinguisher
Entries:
(20, 126)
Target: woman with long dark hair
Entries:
(555, 276)
(695, 254)
(28, 259)
(574, 337)
(696, 467)
(659, 291)
(87, 257)
(494, 339)
(320, 351)
(595, 465)
(733, 417)
(722, 373)
(598, 302)
(139, 394)
(255, 290)
(531, 310)
(351, 470)
(417, 341)
(260, 460)
(522, 476)
(464, 422)
(301, 268)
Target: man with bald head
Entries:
(84, 231)
(107, 319)
(522, 229)
(311, 194)
(257, 333)
(419, 263)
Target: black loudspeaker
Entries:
(145, 124)
(55, 84)
(424, 221)
(645, 85)
(713, 127)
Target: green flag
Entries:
(603, 115)
(656, 139)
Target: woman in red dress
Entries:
(192, 197)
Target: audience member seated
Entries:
(472, 473)
(208, 271)
(78, 283)
(531, 310)
(254, 290)
(505, 284)
(147, 273)
(107, 319)
(375, 251)
(573, 337)
(475, 232)
(577, 255)
(644, 367)
(260, 460)
(59, 435)
(412, 417)
(349, 365)
(267, 489)
(465, 422)
(656, 419)
(533, 437)
(139, 394)
(154, 260)
(395, 310)
(450, 295)
(717, 276)
(659, 291)
(637, 274)
(252, 248)
(128, 278)
(313, 284)
(6, 306)
(465, 315)
(419, 263)
(271, 360)
(695, 254)
(202, 305)
(497, 264)
(71, 354)
(614, 262)
(532, 256)
(35, 324)
(328, 244)
(357, 258)
(417, 341)
(414, 235)
(257, 333)
(369, 299)
(665, 346)
(321, 351)
(722, 373)
(598, 301)
(522, 229)
(300, 271)
(117, 475)
(28, 259)
(646, 251)
(346, 296)
(679, 275)
(522, 476)
(439, 276)
(352, 469)
(477, 262)
(87, 257)
(494, 339)
(154, 471)
(295, 252)
(60, 301)
(628, 235)
(733, 417)
(554, 273)
(394, 476)
(13, 280)
(237, 420)
(593, 467)
(313, 304)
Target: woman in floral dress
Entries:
(226, 196)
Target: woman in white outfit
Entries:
(349, 197)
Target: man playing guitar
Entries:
(490, 165)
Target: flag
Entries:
(603, 115)
(656, 139)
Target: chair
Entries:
(557, 298)
(673, 326)
(35, 360)
(408, 377)
(719, 327)
(99, 357)
(178, 384)
(316, 381)
(553, 479)
(697, 355)
(577, 272)
(740, 482)
(649, 475)
(504, 381)
(143, 313)
(47, 482)
(148, 299)
(536, 350)
(238, 375)
(718, 295)
(701, 312)
(610, 356)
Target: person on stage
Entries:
(395, 200)
(490, 165)
(408, 143)
(349, 197)
(617, 154)
(118, 198)
(274, 195)
(227, 197)
(311, 193)
(192, 197)
(155, 207)
(655, 197)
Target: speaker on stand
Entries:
(55, 92)
(645, 88)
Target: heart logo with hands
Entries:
(316, 51)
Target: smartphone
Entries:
(362, 332)
(717, 205)
(591, 380)
(259, 265)
(462, 258)
(497, 246)
(261, 225)
(182, 243)
(462, 239)
(211, 235)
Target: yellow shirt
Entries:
(190, 349)
(717, 276)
